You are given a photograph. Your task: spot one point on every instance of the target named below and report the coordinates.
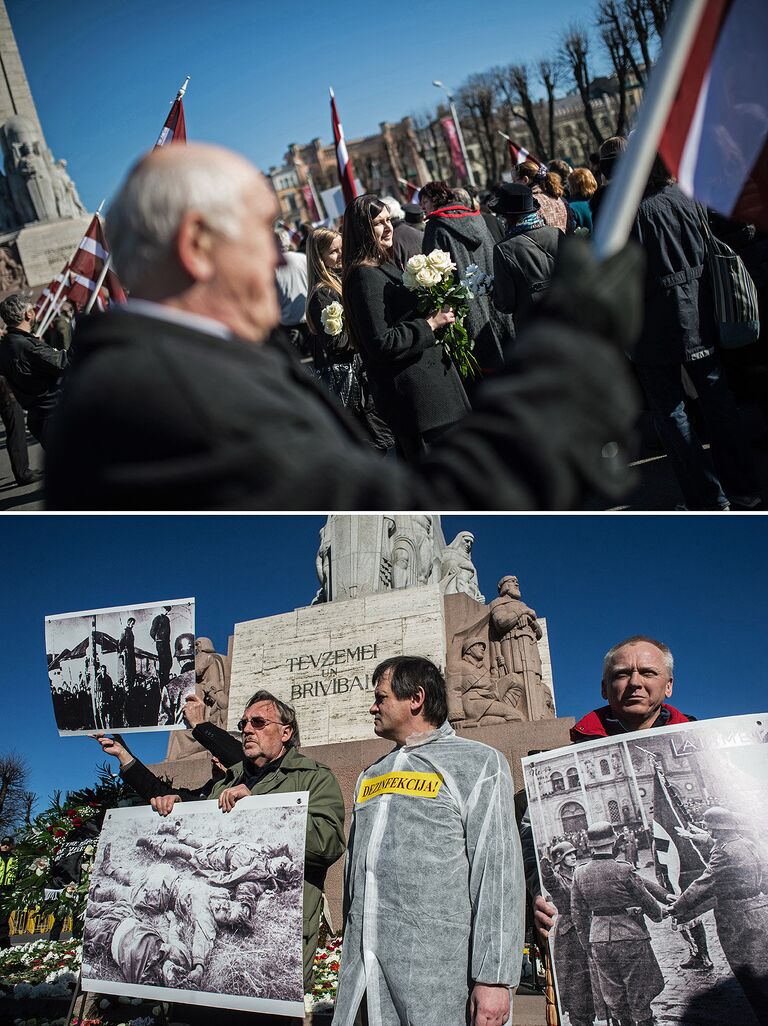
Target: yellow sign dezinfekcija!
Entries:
(408, 783)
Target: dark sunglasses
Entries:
(257, 722)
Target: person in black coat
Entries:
(523, 263)
(416, 387)
(32, 368)
(679, 331)
(177, 401)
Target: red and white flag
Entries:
(519, 154)
(454, 147)
(86, 268)
(343, 163)
(175, 127)
(716, 138)
(411, 191)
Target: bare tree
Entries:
(478, 98)
(513, 85)
(29, 800)
(659, 12)
(574, 56)
(549, 74)
(431, 143)
(636, 11)
(13, 779)
(619, 35)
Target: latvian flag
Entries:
(175, 127)
(677, 860)
(411, 191)
(50, 292)
(346, 175)
(714, 142)
(519, 154)
(86, 267)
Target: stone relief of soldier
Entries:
(457, 571)
(11, 273)
(323, 564)
(474, 697)
(514, 632)
(38, 189)
(212, 687)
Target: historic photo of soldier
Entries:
(122, 668)
(653, 847)
(203, 907)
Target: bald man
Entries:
(177, 401)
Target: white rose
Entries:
(416, 263)
(409, 280)
(427, 277)
(440, 261)
(333, 326)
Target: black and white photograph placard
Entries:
(122, 668)
(202, 907)
(653, 847)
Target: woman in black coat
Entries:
(416, 388)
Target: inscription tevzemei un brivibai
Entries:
(328, 662)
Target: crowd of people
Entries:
(461, 860)
(218, 325)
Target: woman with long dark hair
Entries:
(416, 388)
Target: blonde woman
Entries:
(336, 361)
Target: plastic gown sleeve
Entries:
(496, 880)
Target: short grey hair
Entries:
(395, 210)
(637, 639)
(14, 308)
(145, 215)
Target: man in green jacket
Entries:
(271, 764)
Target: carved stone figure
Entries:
(514, 633)
(473, 695)
(68, 202)
(457, 571)
(423, 531)
(27, 165)
(212, 686)
(323, 564)
(11, 273)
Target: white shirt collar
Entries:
(161, 312)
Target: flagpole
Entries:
(315, 197)
(46, 322)
(97, 286)
(619, 208)
(54, 304)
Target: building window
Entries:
(573, 818)
(557, 782)
(613, 811)
(605, 769)
(573, 777)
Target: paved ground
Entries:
(655, 488)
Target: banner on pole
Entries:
(454, 147)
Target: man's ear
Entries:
(417, 701)
(603, 689)
(194, 247)
(668, 688)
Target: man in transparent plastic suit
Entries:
(434, 892)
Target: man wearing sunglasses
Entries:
(270, 763)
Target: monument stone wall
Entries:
(321, 658)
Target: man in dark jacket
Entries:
(407, 239)
(463, 233)
(13, 419)
(175, 402)
(680, 332)
(31, 367)
(523, 263)
(160, 632)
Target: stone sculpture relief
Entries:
(38, 189)
(474, 696)
(457, 571)
(212, 676)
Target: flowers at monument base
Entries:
(326, 974)
(332, 319)
(431, 277)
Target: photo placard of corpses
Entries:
(123, 668)
(202, 907)
(653, 847)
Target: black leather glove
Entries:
(603, 299)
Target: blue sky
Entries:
(696, 582)
(103, 74)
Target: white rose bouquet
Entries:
(332, 319)
(431, 278)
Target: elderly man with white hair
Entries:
(176, 402)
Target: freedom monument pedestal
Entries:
(389, 585)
